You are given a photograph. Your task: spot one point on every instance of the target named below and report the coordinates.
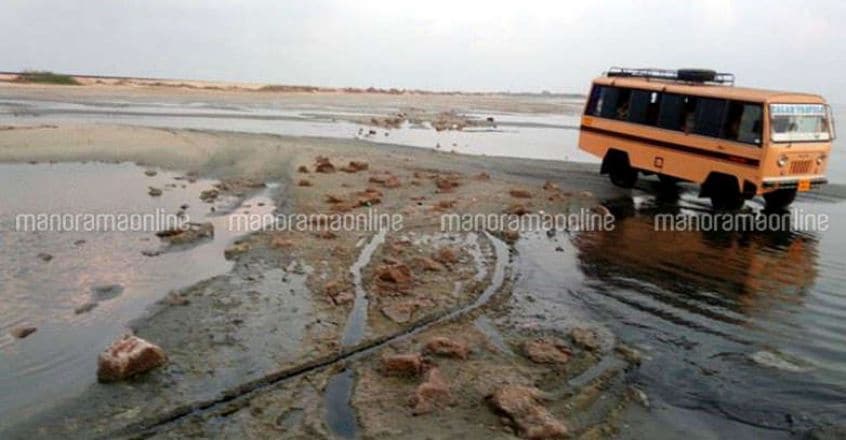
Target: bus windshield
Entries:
(800, 122)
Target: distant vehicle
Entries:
(694, 125)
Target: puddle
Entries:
(96, 282)
(340, 415)
(357, 321)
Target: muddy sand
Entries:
(255, 352)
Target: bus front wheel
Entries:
(779, 199)
(623, 175)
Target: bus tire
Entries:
(727, 198)
(622, 174)
(779, 199)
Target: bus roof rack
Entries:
(698, 76)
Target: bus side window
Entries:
(709, 116)
(595, 101)
(610, 96)
(689, 114)
(623, 104)
(670, 115)
(743, 123)
(751, 124)
(644, 107)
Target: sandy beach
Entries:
(413, 332)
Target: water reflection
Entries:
(730, 320)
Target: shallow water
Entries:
(742, 333)
(517, 135)
(60, 358)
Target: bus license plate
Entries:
(804, 185)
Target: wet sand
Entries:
(261, 349)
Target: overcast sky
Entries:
(519, 45)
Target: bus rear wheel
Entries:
(727, 200)
(623, 175)
(779, 199)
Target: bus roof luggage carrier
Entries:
(697, 76)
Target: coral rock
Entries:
(521, 405)
(443, 346)
(395, 274)
(128, 357)
(410, 364)
(520, 193)
(22, 332)
(433, 393)
(547, 351)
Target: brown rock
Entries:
(304, 182)
(550, 186)
(369, 197)
(302, 169)
(585, 338)
(520, 193)
(395, 274)
(429, 264)
(127, 357)
(446, 184)
(432, 394)
(326, 235)
(281, 242)
(445, 205)
(392, 182)
(344, 297)
(323, 165)
(209, 195)
(359, 165)
(446, 255)
(185, 235)
(333, 198)
(410, 364)
(154, 192)
(522, 406)
(443, 346)
(235, 250)
(400, 313)
(518, 209)
(22, 332)
(335, 287)
(483, 176)
(547, 351)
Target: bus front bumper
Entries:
(803, 183)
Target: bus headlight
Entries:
(820, 159)
(782, 161)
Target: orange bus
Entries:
(693, 125)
